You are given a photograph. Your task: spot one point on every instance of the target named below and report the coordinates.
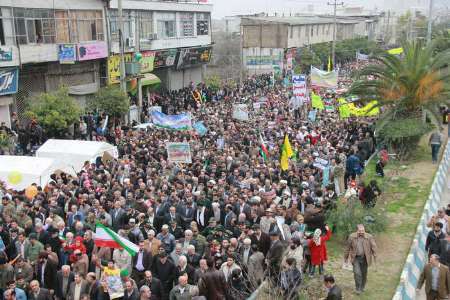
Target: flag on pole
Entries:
(316, 102)
(106, 237)
(284, 160)
(287, 146)
(264, 152)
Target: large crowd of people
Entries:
(215, 228)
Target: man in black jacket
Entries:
(334, 292)
(153, 283)
(274, 256)
(433, 243)
(165, 271)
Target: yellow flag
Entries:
(287, 146)
(284, 161)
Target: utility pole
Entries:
(430, 22)
(123, 84)
(333, 47)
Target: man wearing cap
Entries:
(135, 234)
(267, 221)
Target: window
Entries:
(6, 27)
(312, 31)
(291, 33)
(187, 24)
(128, 21)
(317, 30)
(166, 25)
(34, 26)
(202, 23)
(145, 24)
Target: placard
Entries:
(200, 128)
(299, 89)
(240, 112)
(179, 152)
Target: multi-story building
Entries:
(49, 43)
(174, 38)
(46, 44)
(269, 42)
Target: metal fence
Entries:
(417, 257)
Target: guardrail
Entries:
(417, 257)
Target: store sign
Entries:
(6, 54)
(89, 51)
(67, 54)
(147, 63)
(9, 79)
(193, 56)
(165, 58)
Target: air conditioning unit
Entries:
(130, 43)
(153, 36)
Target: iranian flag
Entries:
(263, 150)
(106, 237)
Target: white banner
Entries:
(360, 56)
(324, 78)
(240, 112)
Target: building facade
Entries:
(269, 43)
(45, 44)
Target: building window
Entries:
(291, 33)
(6, 27)
(34, 26)
(128, 20)
(166, 25)
(202, 23)
(86, 25)
(312, 31)
(187, 24)
(145, 24)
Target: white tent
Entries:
(70, 155)
(28, 169)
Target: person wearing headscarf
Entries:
(318, 248)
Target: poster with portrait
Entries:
(240, 112)
(179, 153)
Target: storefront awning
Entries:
(150, 79)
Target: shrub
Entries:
(351, 213)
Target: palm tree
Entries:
(407, 87)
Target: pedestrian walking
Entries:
(361, 249)
(437, 279)
(435, 143)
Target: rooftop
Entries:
(298, 20)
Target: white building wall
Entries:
(54, 4)
(300, 35)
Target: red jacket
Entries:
(319, 253)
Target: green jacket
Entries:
(32, 252)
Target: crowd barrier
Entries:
(417, 257)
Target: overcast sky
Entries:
(234, 7)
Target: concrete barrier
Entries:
(417, 257)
